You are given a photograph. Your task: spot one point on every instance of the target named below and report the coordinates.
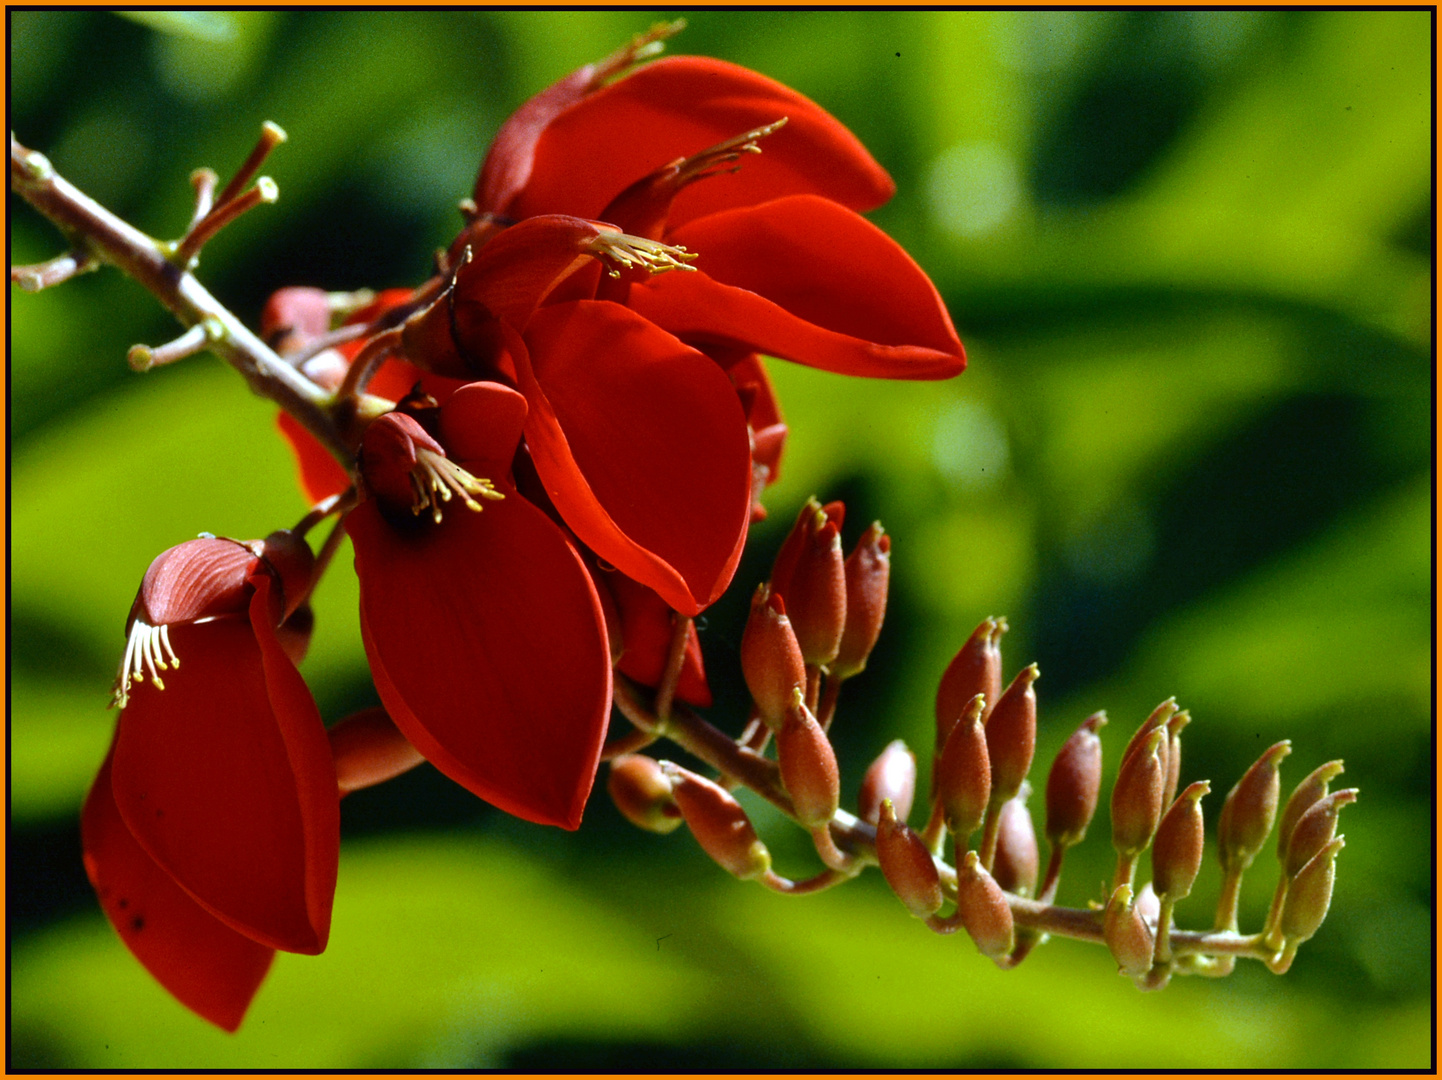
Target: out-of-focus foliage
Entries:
(1189, 253)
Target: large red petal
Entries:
(488, 648)
(642, 446)
(589, 153)
(225, 778)
(211, 969)
(646, 630)
(807, 280)
(321, 475)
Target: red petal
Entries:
(211, 969)
(588, 154)
(806, 280)
(646, 634)
(225, 778)
(321, 476)
(482, 422)
(642, 446)
(489, 651)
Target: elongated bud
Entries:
(1074, 784)
(963, 774)
(770, 657)
(810, 575)
(983, 909)
(1312, 788)
(369, 749)
(1127, 934)
(808, 765)
(906, 864)
(1179, 843)
(891, 776)
(1137, 796)
(1315, 830)
(1158, 718)
(1174, 754)
(1250, 809)
(1310, 894)
(976, 669)
(718, 822)
(1017, 860)
(642, 793)
(1011, 735)
(868, 575)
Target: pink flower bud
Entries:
(983, 909)
(293, 317)
(1137, 796)
(810, 575)
(906, 864)
(868, 574)
(808, 766)
(976, 669)
(770, 657)
(963, 774)
(1179, 843)
(198, 579)
(288, 558)
(1174, 754)
(642, 793)
(1074, 784)
(1158, 719)
(1127, 934)
(1011, 735)
(369, 749)
(891, 776)
(1250, 809)
(719, 823)
(1017, 860)
(1310, 894)
(1312, 788)
(1315, 829)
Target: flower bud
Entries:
(1137, 796)
(1315, 829)
(1017, 860)
(293, 317)
(770, 657)
(1179, 843)
(719, 823)
(1310, 894)
(868, 574)
(891, 776)
(810, 575)
(642, 793)
(976, 669)
(1157, 720)
(369, 749)
(1127, 934)
(983, 909)
(1074, 783)
(963, 774)
(808, 766)
(906, 864)
(289, 559)
(1312, 788)
(1174, 754)
(195, 580)
(1011, 735)
(1250, 809)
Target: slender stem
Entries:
(1053, 874)
(629, 743)
(675, 659)
(61, 268)
(990, 831)
(1162, 952)
(366, 363)
(204, 181)
(143, 357)
(1227, 900)
(271, 136)
(824, 880)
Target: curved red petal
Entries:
(225, 779)
(646, 636)
(210, 969)
(642, 446)
(589, 153)
(321, 475)
(482, 422)
(488, 648)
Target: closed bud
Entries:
(963, 774)
(1312, 788)
(770, 657)
(1250, 809)
(1137, 796)
(868, 575)
(1315, 829)
(1310, 894)
(891, 776)
(1174, 754)
(369, 749)
(1017, 860)
(1179, 843)
(808, 765)
(1127, 934)
(718, 822)
(642, 793)
(1074, 784)
(976, 669)
(1011, 735)
(810, 575)
(1157, 721)
(983, 909)
(289, 559)
(906, 864)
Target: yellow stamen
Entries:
(628, 251)
(436, 478)
(709, 162)
(143, 653)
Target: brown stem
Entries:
(629, 743)
(1053, 874)
(675, 658)
(142, 357)
(204, 181)
(366, 363)
(61, 268)
(271, 136)
(221, 215)
(824, 880)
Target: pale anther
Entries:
(147, 650)
(437, 478)
(629, 251)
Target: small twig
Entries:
(367, 362)
(221, 215)
(142, 357)
(204, 181)
(675, 660)
(629, 743)
(61, 268)
(824, 880)
(271, 136)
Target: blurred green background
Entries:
(1190, 255)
